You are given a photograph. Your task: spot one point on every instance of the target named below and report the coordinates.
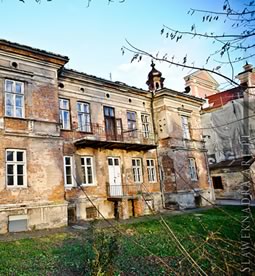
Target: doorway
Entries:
(115, 185)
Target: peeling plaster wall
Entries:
(231, 181)
(42, 200)
(99, 190)
(174, 151)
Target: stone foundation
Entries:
(123, 208)
(38, 216)
(190, 199)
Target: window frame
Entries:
(145, 125)
(14, 95)
(193, 168)
(87, 128)
(151, 171)
(85, 175)
(185, 127)
(137, 171)
(15, 164)
(71, 165)
(132, 123)
(62, 110)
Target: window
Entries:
(16, 168)
(87, 170)
(151, 171)
(217, 182)
(131, 120)
(145, 125)
(64, 113)
(68, 170)
(137, 170)
(91, 213)
(110, 124)
(14, 98)
(192, 169)
(185, 127)
(83, 117)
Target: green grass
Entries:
(211, 237)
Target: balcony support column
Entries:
(124, 209)
(138, 206)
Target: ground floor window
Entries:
(192, 169)
(137, 170)
(91, 213)
(68, 171)
(151, 170)
(87, 170)
(217, 182)
(15, 168)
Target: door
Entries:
(110, 127)
(119, 130)
(115, 186)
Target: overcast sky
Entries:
(92, 37)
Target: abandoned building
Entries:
(181, 148)
(75, 147)
(225, 116)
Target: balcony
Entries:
(100, 137)
(185, 144)
(124, 191)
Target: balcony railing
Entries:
(119, 191)
(181, 143)
(115, 136)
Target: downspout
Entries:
(208, 172)
(157, 154)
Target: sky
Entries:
(92, 37)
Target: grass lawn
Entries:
(207, 241)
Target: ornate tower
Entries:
(155, 81)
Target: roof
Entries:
(222, 98)
(21, 49)
(245, 161)
(77, 74)
(199, 74)
(170, 92)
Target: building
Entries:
(181, 150)
(229, 130)
(73, 145)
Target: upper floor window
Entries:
(14, 98)
(64, 113)
(185, 127)
(87, 170)
(137, 170)
(131, 120)
(15, 168)
(151, 170)
(192, 169)
(68, 171)
(145, 125)
(84, 123)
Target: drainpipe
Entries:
(156, 141)
(208, 171)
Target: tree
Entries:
(234, 46)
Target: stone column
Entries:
(124, 209)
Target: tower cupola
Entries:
(155, 80)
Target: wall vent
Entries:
(91, 213)
(17, 223)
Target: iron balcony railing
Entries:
(118, 134)
(117, 191)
